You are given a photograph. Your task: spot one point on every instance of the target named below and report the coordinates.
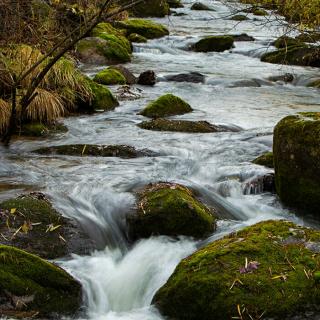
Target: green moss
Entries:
(285, 41)
(50, 289)
(301, 56)
(109, 76)
(107, 28)
(167, 105)
(145, 28)
(103, 99)
(209, 284)
(296, 158)
(134, 37)
(265, 160)
(119, 40)
(81, 150)
(260, 12)
(214, 43)
(178, 126)
(170, 209)
(36, 129)
(239, 17)
(111, 50)
(34, 239)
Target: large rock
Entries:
(214, 43)
(147, 78)
(267, 269)
(145, 28)
(296, 152)
(167, 105)
(300, 56)
(179, 126)
(30, 223)
(81, 150)
(150, 8)
(95, 50)
(170, 209)
(31, 287)
(109, 76)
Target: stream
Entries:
(120, 279)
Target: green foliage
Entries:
(214, 283)
(166, 105)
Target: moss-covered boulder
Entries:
(82, 150)
(265, 159)
(170, 209)
(285, 41)
(36, 129)
(239, 17)
(267, 269)
(30, 287)
(135, 37)
(103, 99)
(126, 73)
(150, 8)
(30, 223)
(106, 28)
(178, 126)
(300, 56)
(145, 28)
(201, 7)
(118, 40)
(96, 50)
(214, 43)
(109, 76)
(296, 152)
(175, 4)
(167, 105)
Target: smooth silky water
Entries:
(119, 279)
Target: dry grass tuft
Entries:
(5, 112)
(46, 107)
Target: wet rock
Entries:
(296, 154)
(36, 129)
(287, 77)
(179, 126)
(239, 17)
(151, 8)
(246, 272)
(103, 99)
(285, 41)
(265, 159)
(170, 209)
(167, 105)
(265, 183)
(175, 4)
(128, 75)
(243, 37)
(147, 78)
(300, 56)
(214, 43)
(32, 287)
(178, 14)
(254, 83)
(30, 223)
(201, 7)
(194, 77)
(95, 50)
(145, 28)
(109, 76)
(134, 37)
(81, 150)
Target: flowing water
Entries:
(119, 279)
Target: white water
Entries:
(119, 281)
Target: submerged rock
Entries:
(239, 17)
(30, 287)
(287, 77)
(179, 126)
(201, 7)
(214, 43)
(95, 50)
(167, 105)
(29, 222)
(267, 269)
(300, 56)
(194, 77)
(145, 28)
(147, 78)
(170, 209)
(265, 159)
(81, 150)
(296, 152)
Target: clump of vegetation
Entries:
(266, 269)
